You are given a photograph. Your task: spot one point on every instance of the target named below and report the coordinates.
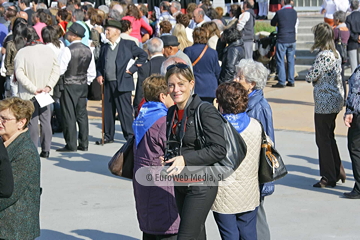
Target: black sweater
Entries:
(285, 20)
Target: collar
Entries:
(75, 41)
(27, 8)
(157, 55)
(13, 137)
(287, 6)
(113, 45)
(341, 25)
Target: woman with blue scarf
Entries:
(155, 205)
(236, 203)
(253, 76)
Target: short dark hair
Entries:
(231, 35)
(26, 2)
(125, 25)
(63, 14)
(143, 9)
(165, 26)
(183, 19)
(235, 10)
(232, 97)
(286, 2)
(200, 35)
(153, 86)
(212, 13)
(354, 4)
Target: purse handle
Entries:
(200, 56)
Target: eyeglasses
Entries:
(178, 65)
(4, 120)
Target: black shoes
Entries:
(323, 183)
(65, 149)
(352, 195)
(44, 154)
(85, 149)
(105, 142)
(278, 85)
(289, 84)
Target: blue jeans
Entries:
(237, 226)
(289, 50)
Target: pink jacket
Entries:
(137, 24)
(38, 27)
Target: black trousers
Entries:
(120, 101)
(73, 108)
(147, 236)
(194, 203)
(354, 150)
(329, 158)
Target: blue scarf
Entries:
(240, 121)
(150, 112)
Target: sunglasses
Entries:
(178, 65)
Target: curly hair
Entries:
(19, 107)
(165, 27)
(200, 35)
(153, 86)
(132, 10)
(183, 19)
(231, 35)
(232, 97)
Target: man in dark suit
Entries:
(24, 5)
(155, 48)
(115, 68)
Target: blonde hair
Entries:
(19, 107)
(180, 32)
(324, 38)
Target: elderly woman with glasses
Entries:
(19, 214)
(194, 198)
(253, 76)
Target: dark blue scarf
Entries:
(240, 121)
(150, 112)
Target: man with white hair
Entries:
(155, 52)
(175, 8)
(199, 17)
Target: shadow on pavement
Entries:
(100, 235)
(46, 234)
(347, 165)
(286, 101)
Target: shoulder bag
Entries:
(122, 163)
(235, 146)
(271, 165)
(200, 56)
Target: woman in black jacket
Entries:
(232, 54)
(194, 198)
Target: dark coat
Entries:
(6, 176)
(260, 109)
(232, 55)
(206, 71)
(30, 12)
(150, 67)
(156, 206)
(127, 50)
(215, 149)
(352, 22)
(19, 214)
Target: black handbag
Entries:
(271, 165)
(122, 163)
(235, 146)
(342, 49)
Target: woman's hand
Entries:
(348, 120)
(177, 166)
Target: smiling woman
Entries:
(20, 213)
(194, 200)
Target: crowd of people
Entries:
(180, 60)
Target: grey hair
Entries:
(253, 72)
(155, 45)
(201, 12)
(114, 14)
(63, 2)
(177, 5)
(104, 8)
(170, 61)
(219, 24)
(340, 15)
(118, 8)
(354, 5)
(41, 6)
(78, 15)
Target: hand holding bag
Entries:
(122, 163)
(271, 166)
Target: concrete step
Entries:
(302, 70)
(304, 60)
(304, 44)
(305, 37)
(304, 29)
(304, 52)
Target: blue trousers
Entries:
(287, 49)
(240, 226)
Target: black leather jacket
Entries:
(233, 53)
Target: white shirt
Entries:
(66, 57)
(330, 8)
(113, 45)
(57, 50)
(244, 17)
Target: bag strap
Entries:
(200, 56)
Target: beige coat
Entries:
(242, 193)
(35, 68)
